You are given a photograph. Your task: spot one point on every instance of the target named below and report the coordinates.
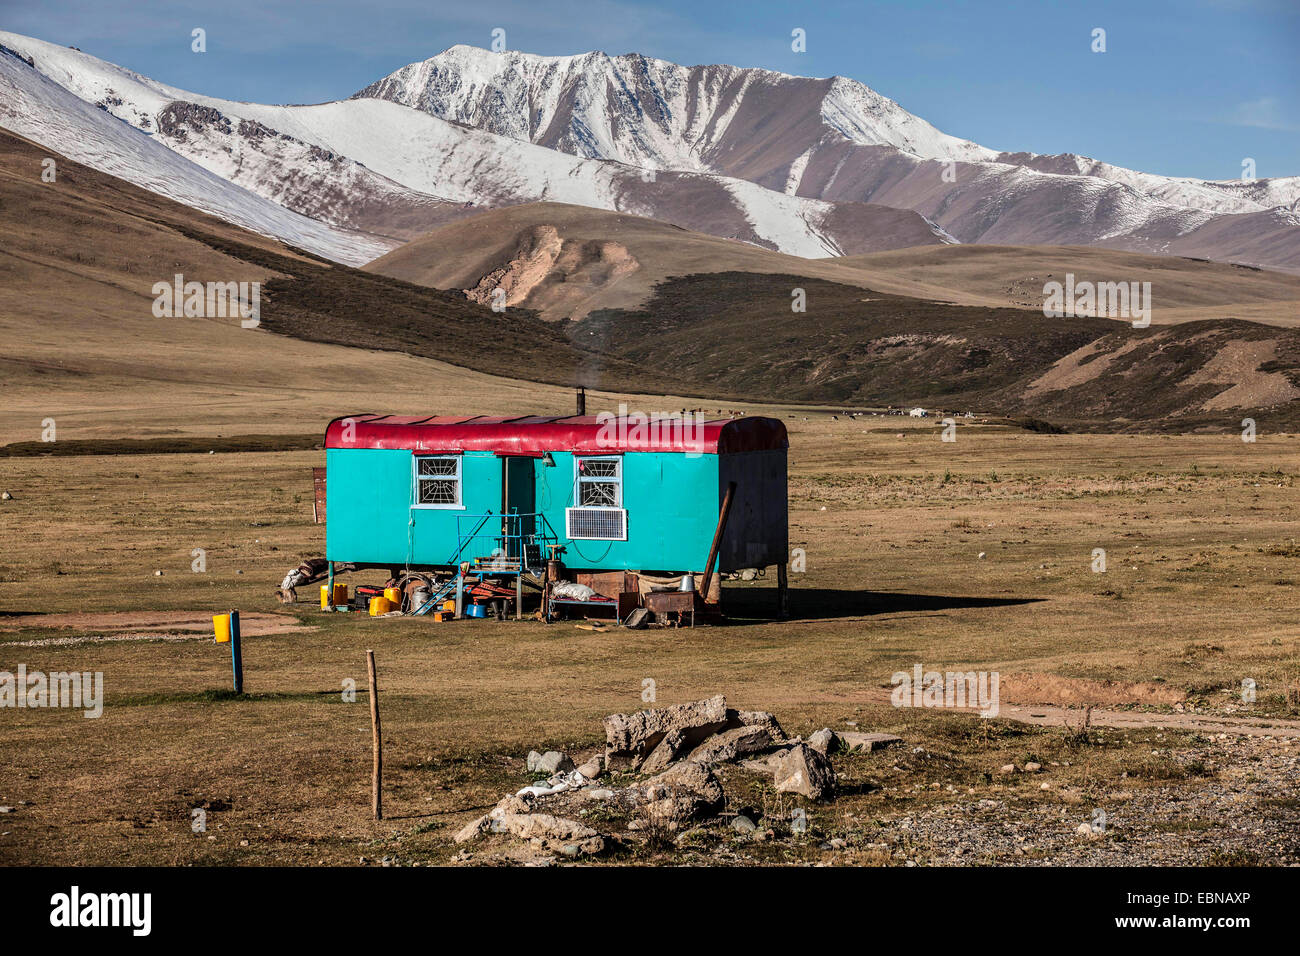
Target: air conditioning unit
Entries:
(595, 524)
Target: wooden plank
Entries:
(318, 486)
(717, 537)
(628, 602)
(609, 584)
(376, 776)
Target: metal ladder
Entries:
(438, 595)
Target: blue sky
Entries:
(1187, 88)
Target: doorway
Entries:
(519, 497)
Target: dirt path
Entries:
(1052, 716)
(1056, 715)
(116, 626)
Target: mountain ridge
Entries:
(811, 167)
(372, 153)
(837, 139)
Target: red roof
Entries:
(533, 435)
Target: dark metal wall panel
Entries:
(758, 533)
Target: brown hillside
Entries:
(567, 261)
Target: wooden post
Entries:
(519, 591)
(236, 654)
(717, 537)
(376, 777)
(782, 592)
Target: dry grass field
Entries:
(973, 555)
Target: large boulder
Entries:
(765, 764)
(823, 741)
(551, 762)
(665, 752)
(682, 792)
(804, 771)
(756, 718)
(631, 738)
(542, 829)
(732, 745)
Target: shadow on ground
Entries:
(746, 604)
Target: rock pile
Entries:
(676, 751)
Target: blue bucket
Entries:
(475, 610)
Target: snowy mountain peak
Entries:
(644, 111)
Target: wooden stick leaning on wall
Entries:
(376, 780)
(717, 538)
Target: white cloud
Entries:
(1263, 113)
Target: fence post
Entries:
(236, 654)
(376, 777)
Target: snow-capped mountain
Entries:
(369, 164)
(41, 110)
(810, 167)
(221, 138)
(831, 139)
(651, 113)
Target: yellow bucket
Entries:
(380, 605)
(394, 595)
(221, 627)
(340, 596)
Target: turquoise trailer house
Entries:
(616, 493)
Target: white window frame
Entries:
(578, 480)
(415, 484)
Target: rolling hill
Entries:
(79, 258)
(78, 261)
(566, 261)
(853, 347)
